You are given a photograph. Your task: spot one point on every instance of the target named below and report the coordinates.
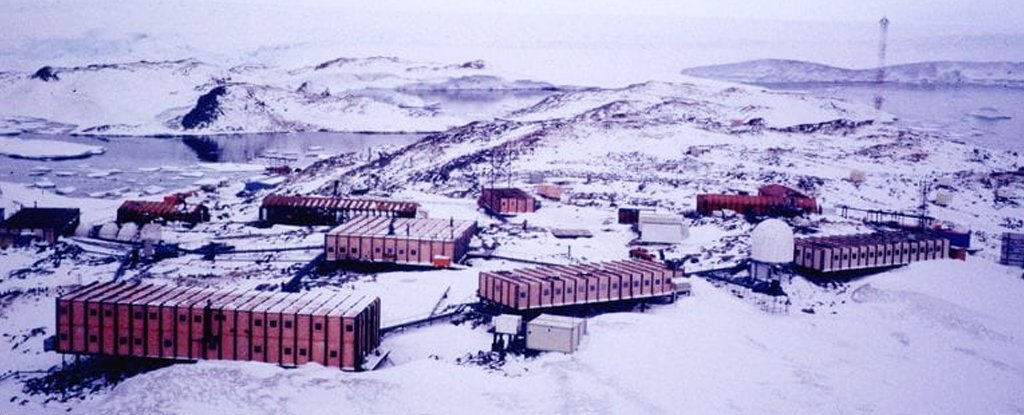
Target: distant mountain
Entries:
(777, 71)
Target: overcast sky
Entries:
(985, 16)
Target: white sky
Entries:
(983, 16)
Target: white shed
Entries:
(508, 324)
(659, 228)
(552, 333)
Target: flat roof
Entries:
(433, 229)
(508, 192)
(844, 241)
(41, 218)
(314, 303)
(552, 320)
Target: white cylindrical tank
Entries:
(128, 232)
(83, 230)
(109, 230)
(151, 232)
(772, 242)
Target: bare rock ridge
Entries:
(206, 111)
(46, 74)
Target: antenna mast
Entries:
(883, 40)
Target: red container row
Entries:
(753, 205)
(399, 240)
(144, 320)
(854, 252)
(555, 286)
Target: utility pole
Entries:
(883, 40)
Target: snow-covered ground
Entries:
(937, 337)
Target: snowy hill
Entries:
(776, 71)
(146, 98)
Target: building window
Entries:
(657, 282)
(593, 288)
(636, 283)
(287, 324)
(63, 310)
(197, 319)
(152, 316)
(92, 313)
(349, 328)
(258, 323)
(302, 352)
(568, 290)
(288, 350)
(401, 252)
(92, 338)
(107, 313)
(334, 354)
(273, 323)
(138, 341)
(647, 283)
(412, 252)
(547, 292)
(318, 326)
(167, 343)
(355, 251)
(137, 314)
(377, 250)
(522, 295)
(182, 318)
(122, 340)
(257, 349)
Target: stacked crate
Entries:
(157, 321)
(414, 241)
(867, 251)
(559, 286)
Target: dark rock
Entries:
(46, 74)
(206, 111)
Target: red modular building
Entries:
(417, 241)
(771, 199)
(508, 201)
(867, 251)
(558, 286)
(158, 321)
(316, 210)
(145, 211)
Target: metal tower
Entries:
(883, 40)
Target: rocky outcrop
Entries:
(206, 111)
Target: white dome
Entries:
(128, 232)
(772, 242)
(109, 230)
